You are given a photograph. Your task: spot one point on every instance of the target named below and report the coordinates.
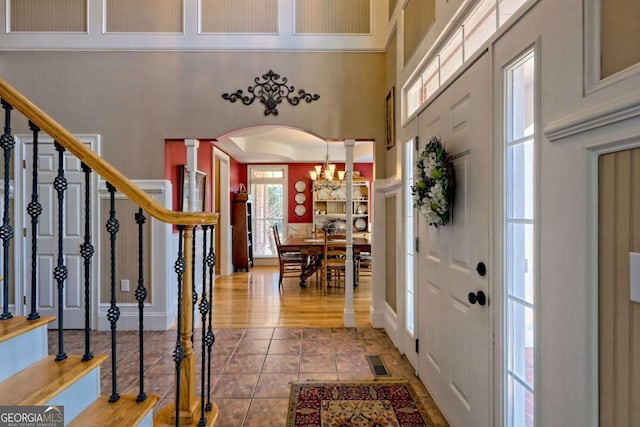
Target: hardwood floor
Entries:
(252, 299)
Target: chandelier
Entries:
(325, 171)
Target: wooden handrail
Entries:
(98, 164)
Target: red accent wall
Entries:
(237, 175)
(175, 154)
(300, 171)
(204, 164)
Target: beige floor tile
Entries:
(251, 346)
(285, 346)
(244, 363)
(314, 363)
(323, 346)
(287, 334)
(267, 413)
(231, 412)
(274, 385)
(281, 364)
(235, 386)
(258, 333)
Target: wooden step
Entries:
(18, 325)
(22, 343)
(126, 412)
(44, 380)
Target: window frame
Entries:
(252, 181)
(510, 142)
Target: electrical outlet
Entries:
(124, 285)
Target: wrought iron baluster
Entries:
(141, 296)
(34, 209)
(86, 250)
(60, 272)
(204, 310)
(7, 142)
(210, 338)
(113, 314)
(178, 352)
(194, 293)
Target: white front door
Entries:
(455, 336)
(47, 232)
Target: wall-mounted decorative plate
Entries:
(300, 210)
(360, 224)
(300, 186)
(300, 198)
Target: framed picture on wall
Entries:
(201, 189)
(391, 118)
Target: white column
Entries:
(349, 313)
(192, 166)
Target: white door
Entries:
(47, 234)
(455, 335)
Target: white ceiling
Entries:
(279, 144)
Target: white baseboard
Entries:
(391, 325)
(129, 320)
(377, 318)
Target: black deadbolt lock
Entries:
(481, 269)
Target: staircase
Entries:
(29, 376)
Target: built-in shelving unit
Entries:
(330, 201)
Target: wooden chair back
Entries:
(276, 236)
(334, 261)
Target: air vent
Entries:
(377, 366)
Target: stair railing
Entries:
(188, 408)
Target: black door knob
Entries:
(479, 297)
(481, 269)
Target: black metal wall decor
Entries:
(270, 92)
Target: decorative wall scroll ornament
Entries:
(270, 92)
(433, 194)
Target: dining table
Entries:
(312, 250)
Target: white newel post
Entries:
(192, 165)
(349, 313)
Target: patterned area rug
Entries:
(355, 404)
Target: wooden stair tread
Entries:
(17, 325)
(39, 383)
(125, 412)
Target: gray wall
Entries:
(136, 100)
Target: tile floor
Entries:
(251, 368)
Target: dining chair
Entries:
(364, 262)
(291, 262)
(334, 262)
